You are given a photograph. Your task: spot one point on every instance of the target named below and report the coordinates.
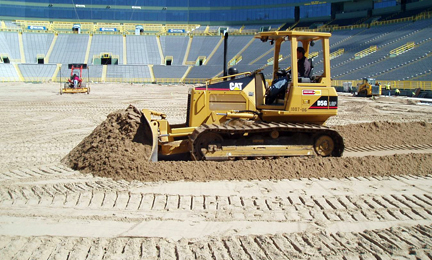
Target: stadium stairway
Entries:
(214, 51)
(188, 47)
(21, 47)
(124, 50)
(50, 50)
(160, 50)
(18, 72)
(89, 43)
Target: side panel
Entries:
(311, 104)
(210, 103)
(222, 101)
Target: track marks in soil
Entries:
(404, 242)
(104, 197)
(417, 147)
(36, 172)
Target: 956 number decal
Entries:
(325, 102)
(322, 103)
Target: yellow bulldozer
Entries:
(368, 88)
(227, 119)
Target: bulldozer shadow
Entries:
(143, 134)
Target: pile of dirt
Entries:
(284, 168)
(119, 148)
(115, 147)
(385, 133)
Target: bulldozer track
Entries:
(96, 196)
(377, 244)
(64, 187)
(262, 127)
(395, 222)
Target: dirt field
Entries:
(373, 203)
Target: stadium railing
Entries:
(424, 85)
(100, 28)
(110, 80)
(151, 29)
(402, 49)
(365, 52)
(337, 53)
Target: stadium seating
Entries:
(111, 44)
(196, 56)
(8, 73)
(32, 72)
(174, 46)
(250, 54)
(162, 72)
(69, 48)
(142, 50)
(9, 44)
(128, 72)
(202, 46)
(381, 60)
(235, 43)
(36, 44)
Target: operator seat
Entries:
(281, 95)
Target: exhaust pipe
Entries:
(225, 70)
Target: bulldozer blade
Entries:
(151, 133)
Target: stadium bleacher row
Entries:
(31, 56)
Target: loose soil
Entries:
(119, 149)
(116, 147)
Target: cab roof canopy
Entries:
(307, 39)
(301, 36)
(77, 65)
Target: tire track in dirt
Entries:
(400, 242)
(170, 207)
(61, 194)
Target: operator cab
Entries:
(371, 81)
(289, 61)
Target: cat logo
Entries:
(236, 86)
